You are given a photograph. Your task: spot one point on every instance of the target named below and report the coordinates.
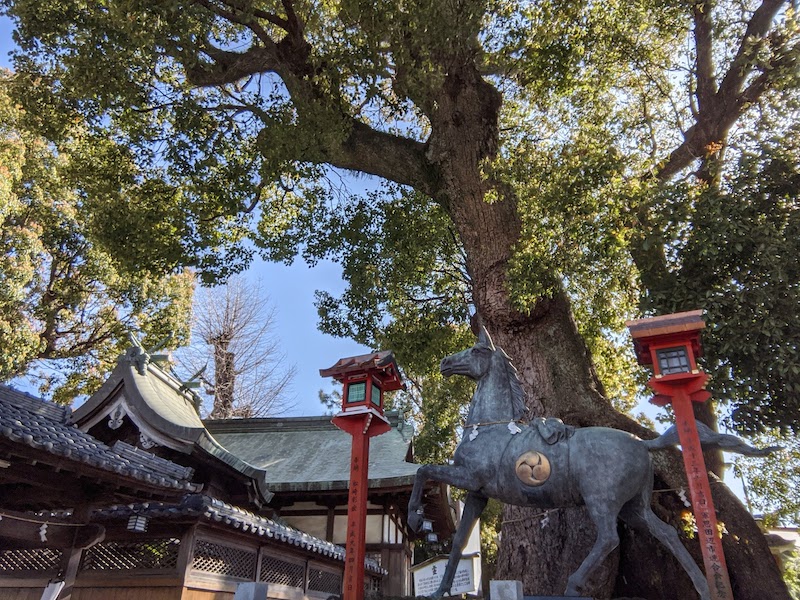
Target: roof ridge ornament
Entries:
(142, 357)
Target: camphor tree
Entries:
(66, 307)
(564, 147)
(234, 352)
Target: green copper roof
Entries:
(310, 453)
(152, 396)
(163, 409)
(163, 404)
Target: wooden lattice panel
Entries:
(210, 557)
(275, 570)
(324, 581)
(30, 559)
(158, 555)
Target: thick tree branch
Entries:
(244, 19)
(392, 157)
(294, 24)
(706, 86)
(752, 41)
(247, 7)
(717, 113)
(230, 67)
(756, 88)
(363, 149)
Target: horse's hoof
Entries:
(572, 591)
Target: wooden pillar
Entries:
(330, 523)
(361, 426)
(356, 519)
(700, 490)
(71, 560)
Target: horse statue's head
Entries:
(473, 362)
(499, 391)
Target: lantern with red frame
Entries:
(671, 344)
(365, 378)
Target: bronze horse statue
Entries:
(547, 464)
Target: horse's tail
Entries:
(711, 440)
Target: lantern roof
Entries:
(688, 321)
(381, 364)
(675, 327)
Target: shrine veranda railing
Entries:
(30, 560)
(211, 557)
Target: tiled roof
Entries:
(380, 364)
(217, 511)
(157, 402)
(30, 421)
(312, 454)
(691, 320)
(48, 410)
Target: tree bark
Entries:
(554, 364)
(560, 381)
(224, 379)
(557, 372)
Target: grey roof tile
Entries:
(49, 410)
(234, 517)
(163, 404)
(33, 422)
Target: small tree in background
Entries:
(235, 352)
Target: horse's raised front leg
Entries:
(451, 475)
(473, 507)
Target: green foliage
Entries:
(791, 575)
(207, 131)
(66, 306)
(574, 201)
(772, 483)
(491, 527)
(738, 260)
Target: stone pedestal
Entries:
(509, 589)
(251, 591)
(261, 591)
(556, 598)
(505, 589)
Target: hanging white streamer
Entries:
(546, 520)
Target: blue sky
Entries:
(291, 292)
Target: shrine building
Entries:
(133, 496)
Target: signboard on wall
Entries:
(428, 575)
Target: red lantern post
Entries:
(671, 344)
(365, 378)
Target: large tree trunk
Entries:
(559, 379)
(560, 382)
